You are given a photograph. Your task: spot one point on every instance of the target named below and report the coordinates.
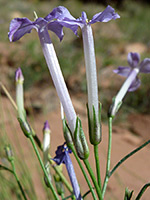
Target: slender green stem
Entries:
(96, 154)
(63, 178)
(5, 168)
(127, 156)
(83, 171)
(39, 142)
(17, 179)
(43, 168)
(90, 171)
(108, 156)
(142, 191)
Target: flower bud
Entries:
(9, 153)
(80, 142)
(46, 141)
(19, 76)
(19, 94)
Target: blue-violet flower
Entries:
(62, 156)
(89, 52)
(90, 63)
(132, 82)
(20, 26)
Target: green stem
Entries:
(96, 154)
(63, 178)
(90, 171)
(127, 156)
(108, 157)
(83, 171)
(43, 168)
(17, 179)
(142, 191)
(5, 168)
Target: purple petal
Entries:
(84, 18)
(19, 27)
(105, 16)
(133, 59)
(135, 85)
(46, 126)
(145, 66)
(59, 13)
(122, 71)
(19, 75)
(57, 28)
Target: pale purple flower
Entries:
(20, 26)
(89, 52)
(132, 82)
(62, 156)
(90, 61)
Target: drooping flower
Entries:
(132, 82)
(90, 62)
(62, 156)
(20, 26)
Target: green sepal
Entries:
(95, 133)
(25, 127)
(59, 185)
(111, 107)
(128, 194)
(80, 142)
(47, 167)
(67, 133)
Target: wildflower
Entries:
(90, 63)
(62, 156)
(132, 82)
(20, 26)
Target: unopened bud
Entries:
(9, 153)
(46, 141)
(19, 76)
(19, 94)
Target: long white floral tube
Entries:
(122, 92)
(57, 77)
(91, 73)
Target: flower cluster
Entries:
(75, 139)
